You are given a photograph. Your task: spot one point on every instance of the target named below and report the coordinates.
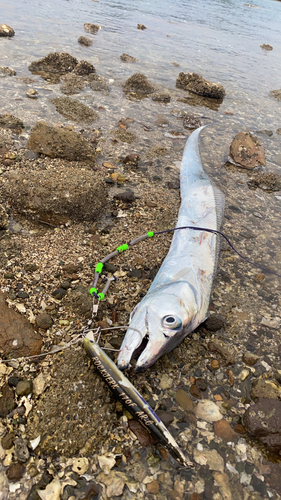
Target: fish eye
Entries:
(171, 322)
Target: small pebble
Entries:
(195, 392)
(249, 358)
(153, 487)
(8, 441)
(24, 387)
(215, 364)
(15, 471)
(244, 374)
(44, 321)
(21, 450)
(184, 400)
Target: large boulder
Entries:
(197, 84)
(74, 110)
(247, 151)
(55, 62)
(56, 193)
(60, 143)
(6, 30)
(18, 337)
(139, 83)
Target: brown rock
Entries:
(195, 392)
(72, 84)
(17, 336)
(224, 351)
(247, 151)
(268, 181)
(198, 85)
(80, 301)
(141, 27)
(7, 401)
(44, 321)
(161, 97)
(276, 94)
(266, 46)
(191, 121)
(126, 196)
(142, 434)
(84, 40)
(126, 58)
(8, 441)
(166, 417)
(249, 358)
(5, 71)
(132, 159)
(84, 68)
(224, 431)
(124, 135)
(138, 83)
(215, 364)
(15, 471)
(6, 30)
(265, 389)
(72, 109)
(10, 122)
(60, 143)
(55, 62)
(240, 429)
(184, 400)
(263, 421)
(91, 28)
(153, 487)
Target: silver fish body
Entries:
(178, 299)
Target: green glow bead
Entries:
(150, 234)
(122, 248)
(99, 267)
(101, 296)
(92, 291)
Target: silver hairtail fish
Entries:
(178, 299)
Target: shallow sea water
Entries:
(220, 40)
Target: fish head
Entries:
(159, 322)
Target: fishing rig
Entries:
(119, 385)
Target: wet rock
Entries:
(4, 220)
(80, 301)
(74, 110)
(223, 430)
(44, 320)
(141, 27)
(161, 97)
(21, 450)
(6, 30)
(124, 135)
(183, 399)
(225, 353)
(197, 84)
(72, 84)
(60, 143)
(214, 322)
(84, 68)
(138, 83)
(82, 195)
(132, 159)
(195, 392)
(8, 440)
(17, 336)
(276, 94)
(265, 389)
(32, 94)
(247, 151)
(249, 358)
(7, 401)
(55, 62)
(59, 293)
(166, 417)
(84, 40)
(15, 471)
(126, 58)
(142, 434)
(266, 46)
(208, 410)
(98, 83)
(268, 181)
(162, 122)
(265, 132)
(153, 487)
(263, 421)
(91, 28)
(126, 196)
(158, 150)
(191, 121)
(210, 458)
(24, 387)
(10, 122)
(5, 71)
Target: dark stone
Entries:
(44, 321)
(224, 352)
(166, 417)
(71, 268)
(141, 27)
(22, 295)
(80, 301)
(201, 384)
(126, 58)
(6, 30)
(98, 84)
(24, 387)
(263, 421)
(84, 68)
(13, 381)
(72, 84)
(132, 159)
(17, 336)
(214, 322)
(55, 62)
(43, 482)
(109, 267)
(91, 28)
(8, 440)
(135, 273)
(7, 401)
(21, 450)
(259, 486)
(191, 121)
(125, 196)
(173, 184)
(197, 84)
(15, 472)
(31, 267)
(138, 83)
(195, 392)
(265, 132)
(59, 293)
(84, 40)
(65, 285)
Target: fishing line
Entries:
(100, 296)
